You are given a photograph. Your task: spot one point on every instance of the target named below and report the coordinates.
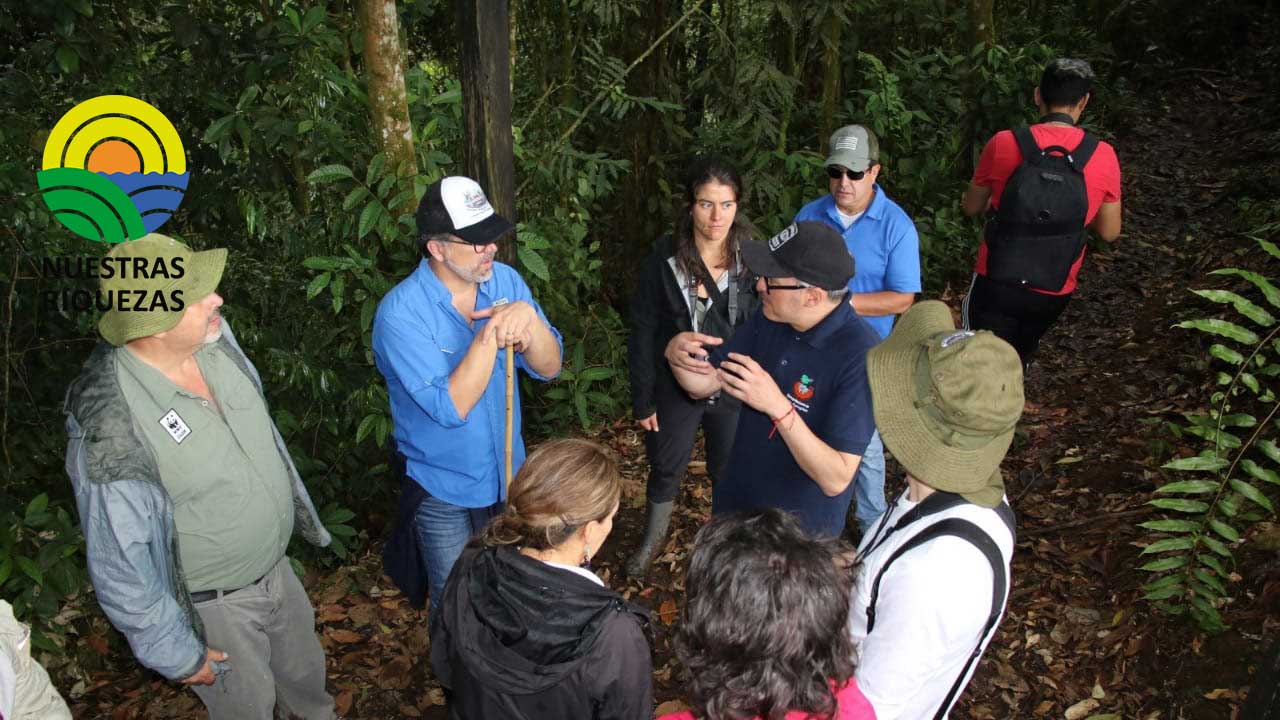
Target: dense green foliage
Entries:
(611, 98)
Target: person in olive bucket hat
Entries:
(187, 494)
(934, 574)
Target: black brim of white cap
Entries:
(489, 230)
(761, 261)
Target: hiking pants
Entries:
(1018, 316)
(670, 448)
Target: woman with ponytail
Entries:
(525, 629)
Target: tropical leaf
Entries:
(1166, 563)
(1251, 493)
(1185, 542)
(1269, 291)
(1180, 505)
(1243, 305)
(1171, 525)
(1259, 472)
(1206, 463)
(1223, 328)
(1190, 487)
(1227, 532)
(329, 173)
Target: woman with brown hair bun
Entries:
(524, 629)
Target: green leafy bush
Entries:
(1231, 482)
(41, 564)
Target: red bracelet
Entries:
(779, 419)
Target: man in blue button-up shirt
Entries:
(886, 248)
(437, 339)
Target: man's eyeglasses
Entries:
(770, 286)
(479, 249)
(835, 172)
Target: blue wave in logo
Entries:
(155, 195)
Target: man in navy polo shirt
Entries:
(799, 367)
(437, 339)
(884, 243)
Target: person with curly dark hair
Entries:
(694, 280)
(525, 629)
(762, 633)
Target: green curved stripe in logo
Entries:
(90, 205)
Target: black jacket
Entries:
(659, 311)
(517, 638)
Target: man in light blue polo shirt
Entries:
(437, 339)
(886, 250)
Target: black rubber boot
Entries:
(657, 519)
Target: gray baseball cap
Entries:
(855, 147)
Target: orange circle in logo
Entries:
(114, 156)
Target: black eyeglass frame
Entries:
(479, 249)
(769, 287)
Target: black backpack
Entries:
(1038, 231)
(957, 527)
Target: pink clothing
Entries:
(852, 706)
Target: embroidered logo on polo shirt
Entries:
(781, 238)
(173, 424)
(803, 388)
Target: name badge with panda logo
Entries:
(173, 424)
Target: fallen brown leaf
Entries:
(668, 611)
(343, 702)
(344, 636)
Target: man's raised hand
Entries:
(687, 351)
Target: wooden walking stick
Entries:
(511, 377)
(510, 428)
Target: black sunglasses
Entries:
(835, 172)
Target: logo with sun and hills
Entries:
(114, 169)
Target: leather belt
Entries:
(206, 595)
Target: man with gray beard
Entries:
(437, 340)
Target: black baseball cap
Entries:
(457, 206)
(811, 252)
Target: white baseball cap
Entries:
(457, 206)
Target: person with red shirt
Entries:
(1021, 314)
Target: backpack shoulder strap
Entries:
(1080, 156)
(1027, 144)
(977, 537)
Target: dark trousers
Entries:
(670, 448)
(1018, 316)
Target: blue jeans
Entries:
(443, 530)
(868, 484)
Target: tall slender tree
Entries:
(388, 102)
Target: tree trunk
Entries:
(982, 22)
(831, 85)
(387, 99)
(785, 36)
(486, 105)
